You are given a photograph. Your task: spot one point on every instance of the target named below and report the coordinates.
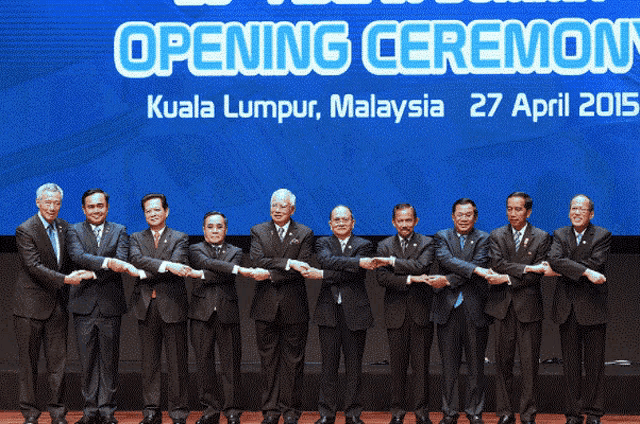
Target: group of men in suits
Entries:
(462, 279)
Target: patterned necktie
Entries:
(97, 231)
(217, 251)
(156, 238)
(460, 298)
(578, 239)
(404, 243)
(516, 238)
(343, 245)
(281, 233)
(463, 238)
(54, 239)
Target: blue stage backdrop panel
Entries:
(369, 103)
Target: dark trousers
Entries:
(98, 339)
(204, 336)
(52, 334)
(334, 340)
(410, 342)
(583, 343)
(527, 335)
(282, 348)
(456, 335)
(153, 331)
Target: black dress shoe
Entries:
(233, 419)
(507, 419)
(89, 419)
(449, 419)
(152, 419)
(353, 420)
(290, 420)
(397, 420)
(528, 422)
(30, 420)
(592, 419)
(423, 420)
(109, 420)
(475, 419)
(574, 420)
(209, 419)
(270, 419)
(326, 420)
(180, 421)
(59, 420)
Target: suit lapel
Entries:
(107, 233)
(89, 238)
(43, 240)
(585, 242)
(411, 246)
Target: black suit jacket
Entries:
(400, 298)
(344, 276)
(458, 266)
(170, 289)
(40, 280)
(217, 292)
(524, 291)
(286, 289)
(106, 291)
(588, 300)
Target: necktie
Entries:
(460, 298)
(217, 251)
(281, 233)
(156, 238)
(54, 239)
(343, 245)
(98, 234)
(516, 238)
(578, 238)
(403, 244)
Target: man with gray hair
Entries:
(280, 307)
(40, 303)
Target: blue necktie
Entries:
(53, 236)
(578, 238)
(460, 296)
(517, 238)
(98, 234)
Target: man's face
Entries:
(341, 222)
(580, 214)
(463, 218)
(517, 214)
(404, 221)
(155, 214)
(281, 209)
(214, 229)
(49, 205)
(95, 208)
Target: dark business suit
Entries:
(215, 317)
(517, 309)
(406, 314)
(342, 326)
(40, 313)
(161, 319)
(97, 307)
(464, 327)
(580, 309)
(281, 311)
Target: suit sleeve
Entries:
(337, 268)
(48, 278)
(396, 277)
(573, 269)
(85, 260)
(212, 267)
(460, 271)
(515, 270)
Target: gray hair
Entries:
(284, 193)
(52, 187)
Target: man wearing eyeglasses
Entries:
(579, 254)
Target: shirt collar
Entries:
(285, 226)
(45, 223)
(522, 230)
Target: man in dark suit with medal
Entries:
(215, 319)
(280, 307)
(342, 313)
(518, 254)
(458, 310)
(160, 304)
(579, 253)
(40, 303)
(97, 305)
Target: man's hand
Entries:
(368, 263)
(540, 268)
(438, 281)
(313, 273)
(495, 279)
(118, 265)
(594, 276)
(258, 274)
(549, 272)
(196, 273)
(380, 261)
(424, 278)
(76, 277)
(482, 272)
(179, 269)
(298, 265)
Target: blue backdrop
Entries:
(498, 96)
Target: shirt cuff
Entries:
(393, 261)
(236, 268)
(163, 266)
(288, 267)
(142, 274)
(105, 263)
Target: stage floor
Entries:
(369, 417)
